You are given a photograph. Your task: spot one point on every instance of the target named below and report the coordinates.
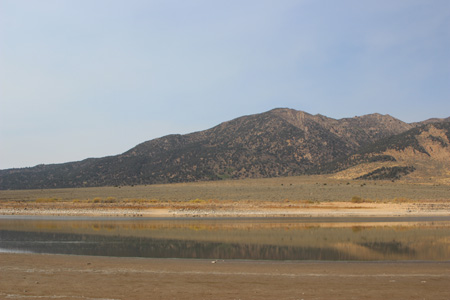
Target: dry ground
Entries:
(34, 276)
(299, 188)
(288, 196)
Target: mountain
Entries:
(280, 142)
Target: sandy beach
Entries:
(34, 276)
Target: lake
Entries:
(317, 239)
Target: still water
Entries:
(268, 239)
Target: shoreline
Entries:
(245, 209)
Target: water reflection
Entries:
(286, 239)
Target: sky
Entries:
(91, 78)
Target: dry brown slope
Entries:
(424, 150)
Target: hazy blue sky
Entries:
(90, 78)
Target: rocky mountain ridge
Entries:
(280, 142)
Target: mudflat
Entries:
(38, 276)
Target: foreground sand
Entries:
(37, 276)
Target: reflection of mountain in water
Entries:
(158, 248)
(230, 239)
(393, 247)
(100, 245)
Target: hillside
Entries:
(280, 142)
(419, 154)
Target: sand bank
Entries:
(230, 209)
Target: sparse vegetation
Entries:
(198, 201)
(48, 200)
(304, 188)
(401, 200)
(439, 140)
(390, 173)
(357, 199)
(103, 200)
